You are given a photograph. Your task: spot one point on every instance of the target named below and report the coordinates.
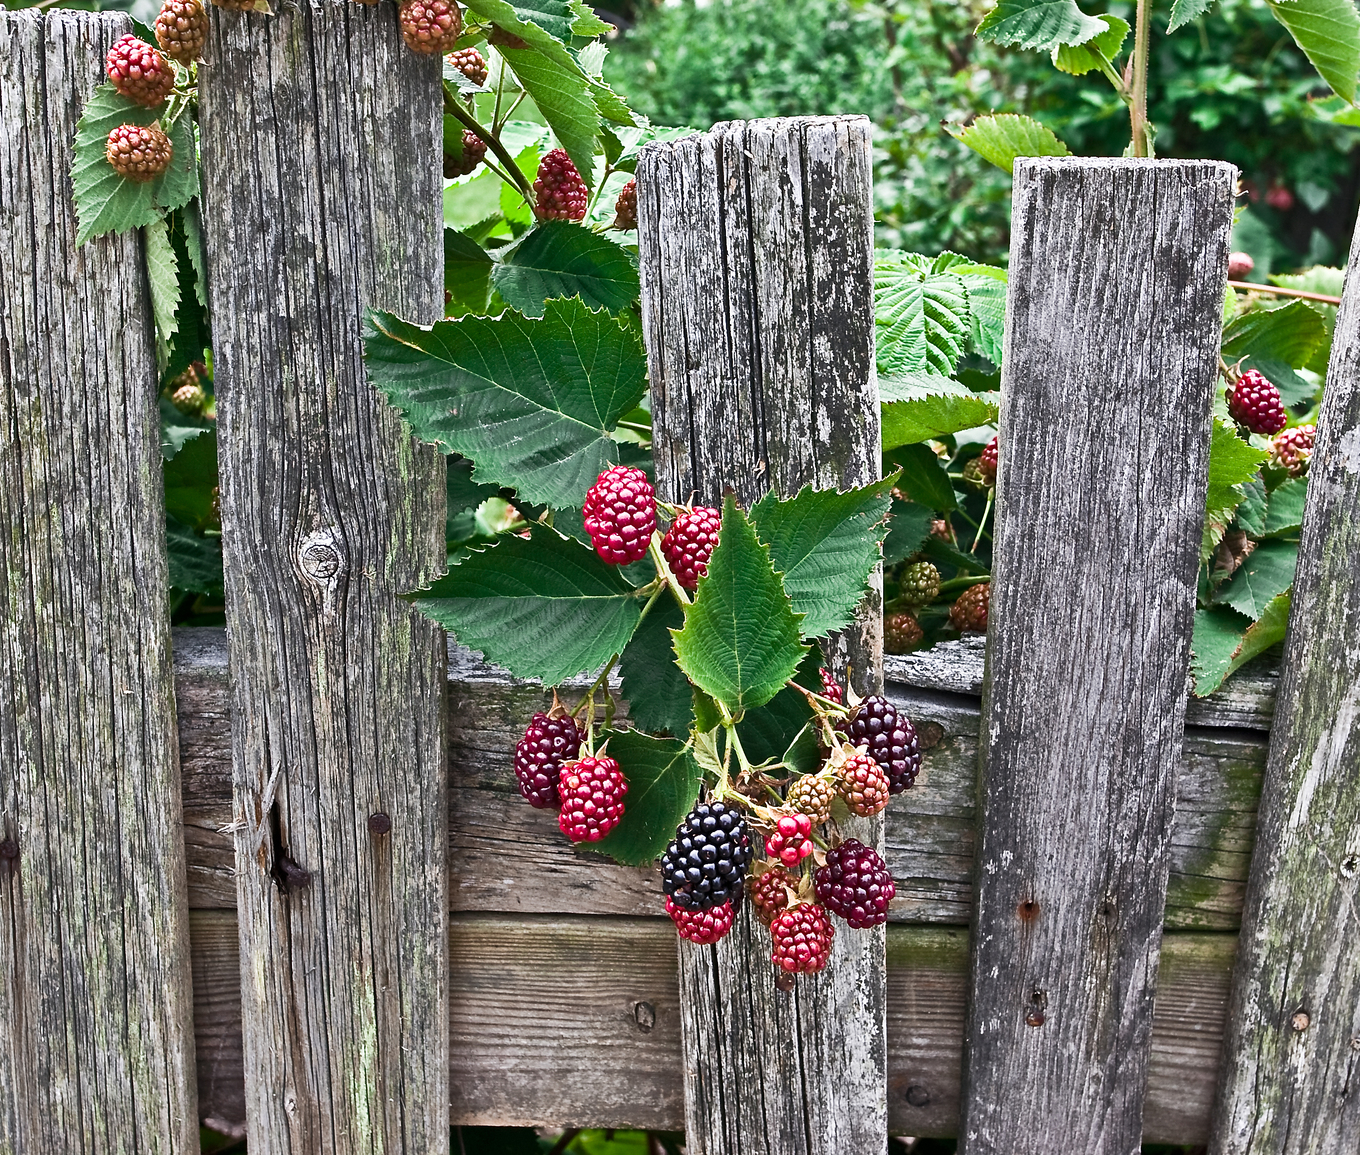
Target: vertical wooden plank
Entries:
(756, 245)
(321, 145)
(1293, 1043)
(95, 1002)
(1116, 287)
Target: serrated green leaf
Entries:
(1184, 11)
(942, 553)
(562, 259)
(1263, 633)
(195, 559)
(585, 22)
(1007, 135)
(1251, 512)
(1079, 59)
(924, 477)
(105, 201)
(1266, 574)
(467, 274)
(462, 497)
(1042, 24)
(768, 731)
(545, 24)
(532, 402)
(986, 285)
(189, 480)
(163, 276)
(563, 95)
(663, 784)
(921, 317)
(1289, 334)
(915, 411)
(1284, 509)
(193, 244)
(660, 698)
(543, 606)
(1232, 463)
(826, 544)
(612, 107)
(740, 642)
(1328, 32)
(1218, 633)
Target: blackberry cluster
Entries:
(1293, 449)
(920, 583)
(559, 192)
(863, 785)
(137, 153)
(968, 614)
(987, 461)
(812, 795)
(474, 152)
(689, 542)
(706, 863)
(592, 791)
(620, 514)
(890, 740)
(139, 72)
(625, 208)
(702, 926)
(1255, 403)
(470, 63)
(855, 884)
(902, 633)
(182, 29)
(547, 743)
(770, 893)
(430, 27)
(802, 938)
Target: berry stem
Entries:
(493, 142)
(986, 511)
(1138, 121)
(590, 693)
(664, 569)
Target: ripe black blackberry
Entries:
(547, 743)
(182, 29)
(470, 63)
(625, 208)
(855, 884)
(689, 542)
(137, 153)
(890, 739)
(1255, 403)
(706, 863)
(559, 192)
(139, 72)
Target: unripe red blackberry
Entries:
(902, 633)
(812, 794)
(973, 477)
(863, 785)
(830, 687)
(474, 152)
(470, 63)
(702, 926)
(689, 542)
(559, 192)
(139, 72)
(987, 461)
(620, 514)
(1293, 449)
(137, 153)
(625, 208)
(705, 865)
(920, 583)
(855, 884)
(770, 893)
(547, 743)
(889, 738)
(791, 841)
(182, 29)
(802, 938)
(430, 27)
(1255, 403)
(1239, 265)
(968, 614)
(592, 791)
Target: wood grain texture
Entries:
(1289, 1085)
(755, 244)
(321, 145)
(95, 1005)
(1117, 277)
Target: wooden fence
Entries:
(261, 890)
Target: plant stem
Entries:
(991, 493)
(654, 548)
(1279, 291)
(1138, 121)
(493, 142)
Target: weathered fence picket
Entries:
(1294, 1033)
(321, 144)
(95, 1007)
(756, 250)
(1117, 276)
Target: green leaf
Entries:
(663, 783)
(543, 606)
(826, 544)
(563, 95)
(532, 402)
(545, 24)
(942, 553)
(1040, 24)
(740, 643)
(1079, 59)
(562, 259)
(1184, 11)
(1218, 633)
(193, 244)
(660, 698)
(585, 22)
(916, 410)
(768, 731)
(1284, 511)
(611, 106)
(1328, 32)
(908, 530)
(1263, 633)
(1251, 513)
(1266, 574)
(190, 477)
(1007, 135)
(105, 201)
(921, 318)
(986, 285)
(1289, 334)
(467, 274)
(195, 560)
(1232, 463)
(163, 274)
(924, 477)
(463, 496)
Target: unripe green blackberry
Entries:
(920, 583)
(812, 795)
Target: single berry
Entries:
(702, 926)
(474, 152)
(770, 893)
(470, 63)
(559, 192)
(547, 743)
(969, 612)
(182, 29)
(592, 791)
(1239, 265)
(689, 543)
(855, 884)
(987, 461)
(620, 514)
(812, 795)
(1280, 198)
(863, 785)
(430, 26)
(974, 478)
(902, 633)
(137, 153)
(830, 687)
(941, 529)
(802, 939)
(189, 397)
(705, 865)
(1255, 402)
(1293, 449)
(920, 583)
(625, 208)
(889, 738)
(139, 72)
(791, 841)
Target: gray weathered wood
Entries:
(321, 145)
(95, 1007)
(756, 245)
(1117, 276)
(1289, 1084)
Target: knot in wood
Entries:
(644, 1014)
(1028, 910)
(917, 1095)
(9, 850)
(929, 734)
(379, 823)
(1349, 865)
(1300, 1021)
(785, 982)
(319, 556)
